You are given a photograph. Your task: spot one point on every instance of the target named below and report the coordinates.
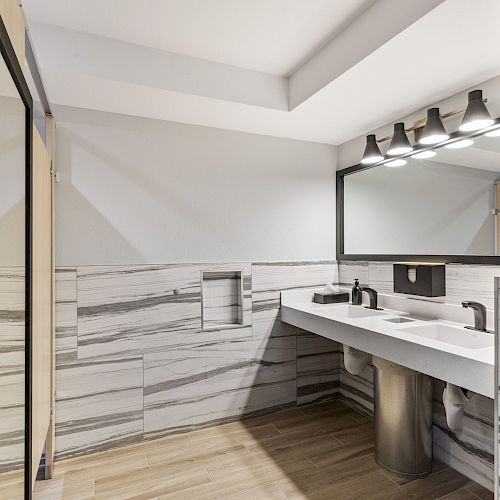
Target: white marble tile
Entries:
(66, 314)
(277, 276)
(357, 389)
(466, 282)
(130, 310)
(468, 461)
(252, 376)
(463, 281)
(318, 375)
(351, 270)
(99, 405)
(267, 319)
(268, 279)
(12, 411)
(189, 387)
(12, 380)
(12, 309)
(380, 276)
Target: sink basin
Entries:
(357, 311)
(446, 334)
(399, 319)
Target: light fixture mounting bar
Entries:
(420, 123)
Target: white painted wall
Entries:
(351, 152)
(135, 190)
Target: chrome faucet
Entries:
(372, 295)
(479, 315)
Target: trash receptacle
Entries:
(403, 419)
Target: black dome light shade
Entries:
(399, 143)
(476, 115)
(434, 131)
(372, 152)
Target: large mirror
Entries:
(13, 283)
(444, 205)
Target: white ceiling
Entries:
(271, 36)
(351, 65)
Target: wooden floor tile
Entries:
(63, 489)
(315, 452)
(147, 483)
(342, 453)
(460, 495)
(432, 487)
(480, 491)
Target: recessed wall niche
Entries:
(222, 299)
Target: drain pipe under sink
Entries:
(355, 361)
(454, 400)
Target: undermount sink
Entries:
(460, 337)
(358, 311)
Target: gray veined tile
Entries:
(190, 387)
(381, 276)
(357, 389)
(350, 270)
(66, 315)
(277, 276)
(267, 319)
(467, 282)
(252, 376)
(12, 369)
(269, 279)
(99, 405)
(12, 414)
(128, 310)
(462, 457)
(12, 310)
(174, 391)
(317, 368)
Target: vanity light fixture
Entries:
(396, 163)
(372, 152)
(464, 143)
(424, 154)
(434, 131)
(476, 115)
(399, 143)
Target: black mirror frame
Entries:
(445, 259)
(16, 72)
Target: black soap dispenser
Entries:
(356, 293)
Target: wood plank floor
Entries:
(316, 452)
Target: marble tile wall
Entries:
(469, 450)
(12, 368)
(134, 361)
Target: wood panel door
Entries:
(42, 275)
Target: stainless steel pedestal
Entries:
(403, 419)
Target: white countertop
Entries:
(472, 369)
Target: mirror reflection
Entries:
(440, 205)
(12, 283)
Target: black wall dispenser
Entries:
(428, 280)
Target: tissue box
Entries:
(331, 298)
